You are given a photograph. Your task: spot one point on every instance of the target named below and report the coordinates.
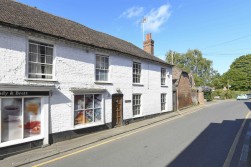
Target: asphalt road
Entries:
(200, 139)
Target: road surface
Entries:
(200, 139)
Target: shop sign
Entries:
(24, 93)
(128, 101)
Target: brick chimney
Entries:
(149, 44)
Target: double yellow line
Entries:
(227, 161)
(114, 139)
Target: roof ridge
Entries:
(34, 19)
(60, 17)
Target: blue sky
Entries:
(220, 29)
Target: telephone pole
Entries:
(172, 56)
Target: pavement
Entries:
(69, 145)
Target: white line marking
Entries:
(234, 145)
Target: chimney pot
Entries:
(148, 36)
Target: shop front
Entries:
(24, 119)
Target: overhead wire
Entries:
(226, 42)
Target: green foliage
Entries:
(238, 77)
(208, 96)
(239, 74)
(216, 80)
(193, 61)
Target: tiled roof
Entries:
(176, 72)
(28, 18)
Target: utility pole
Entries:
(172, 56)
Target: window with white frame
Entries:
(87, 109)
(20, 118)
(102, 68)
(136, 72)
(163, 102)
(163, 76)
(40, 61)
(136, 104)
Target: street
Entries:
(199, 139)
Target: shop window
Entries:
(40, 60)
(20, 118)
(87, 109)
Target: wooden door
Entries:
(117, 110)
(175, 101)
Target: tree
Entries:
(216, 80)
(239, 74)
(193, 61)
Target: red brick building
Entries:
(183, 83)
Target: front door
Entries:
(117, 110)
(174, 100)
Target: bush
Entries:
(208, 95)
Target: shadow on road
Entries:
(211, 147)
(248, 104)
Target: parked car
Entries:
(242, 97)
(249, 95)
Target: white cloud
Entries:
(132, 12)
(157, 17)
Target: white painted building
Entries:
(55, 83)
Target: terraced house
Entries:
(60, 79)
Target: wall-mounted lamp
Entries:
(118, 90)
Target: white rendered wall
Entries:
(12, 57)
(74, 66)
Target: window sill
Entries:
(20, 141)
(137, 84)
(76, 127)
(43, 80)
(136, 116)
(164, 86)
(103, 82)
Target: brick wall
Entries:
(184, 91)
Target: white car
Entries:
(242, 97)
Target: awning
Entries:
(87, 90)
